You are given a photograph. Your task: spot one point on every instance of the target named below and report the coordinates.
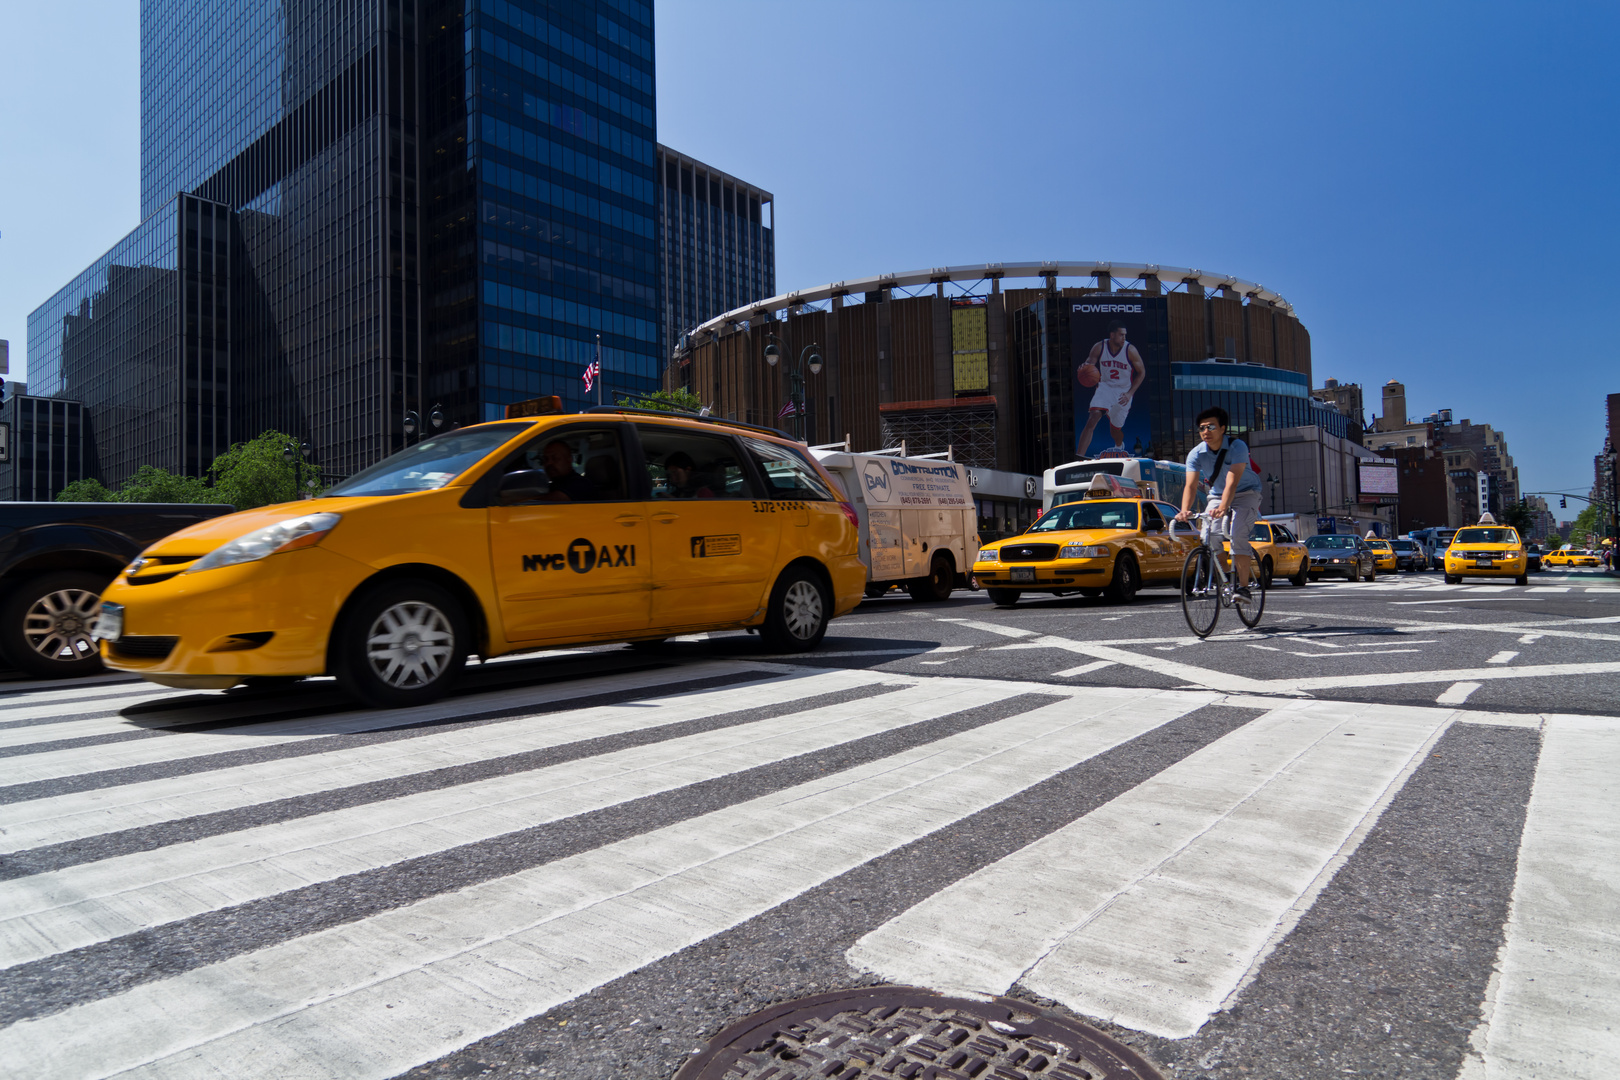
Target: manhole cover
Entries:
(912, 1034)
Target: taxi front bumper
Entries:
(1035, 577)
(1471, 567)
(214, 628)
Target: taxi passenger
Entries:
(681, 472)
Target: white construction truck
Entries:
(918, 523)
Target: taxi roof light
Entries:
(1106, 486)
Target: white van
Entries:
(918, 523)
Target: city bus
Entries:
(1163, 480)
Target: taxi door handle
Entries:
(664, 517)
(628, 520)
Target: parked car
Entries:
(55, 560)
(1340, 554)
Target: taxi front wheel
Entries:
(796, 619)
(404, 643)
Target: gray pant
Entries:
(1245, 511)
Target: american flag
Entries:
(787, 410)
(593, 371)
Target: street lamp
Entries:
(296, 455)
(1271, 478)
(812, 353)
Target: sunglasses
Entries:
(1209, 427)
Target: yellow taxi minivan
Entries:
(608, 525)
(1111, 542)
(1487, 551)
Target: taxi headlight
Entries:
(1082, 551)
(298, 532)
(986, 555)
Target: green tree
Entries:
(85, 491)
(152, 484)
(1588, 527)
(1518, 516)
(256, 472)
(679, 400)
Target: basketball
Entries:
(1088, 375)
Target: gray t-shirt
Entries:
(1237, 453)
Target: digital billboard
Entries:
(1120, 348)
(1377, 482)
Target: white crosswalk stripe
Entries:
(1154, 910)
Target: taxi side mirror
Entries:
(1153, 527)
(522, 486)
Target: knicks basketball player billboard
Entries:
(1120, 347)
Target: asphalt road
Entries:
(1374, 836)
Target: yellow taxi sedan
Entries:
(1110, 543)
(1571, 557)
(1277, 552)
(1384, 556)
(1487, 551)
(497, 538)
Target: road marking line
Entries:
(996, 628)
(1555, 996)
(1457, 693)
(1456, 600)
(1083, 669)
(56, 764)
(1150, 910)
(1502, 657)
(1409, 678)
(1528, 638)
(1549, 588)
(50, 913)
(77, 815)
(459, 967)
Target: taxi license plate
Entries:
(1486, 563)
(109, 624)
(1023, 574)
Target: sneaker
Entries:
(1242, 595)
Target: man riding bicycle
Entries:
(1235, 490)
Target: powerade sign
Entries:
(1120, 357)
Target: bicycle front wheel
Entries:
(1200, 591)
(1250, 612)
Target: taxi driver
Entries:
(566, 484)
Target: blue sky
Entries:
(1431, 185)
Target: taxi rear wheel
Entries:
(403, 644)
(1127, 579)
(796, 618)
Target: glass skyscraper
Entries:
(357, 208)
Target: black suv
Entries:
(55, 558)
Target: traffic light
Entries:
(2, 390)
(1562, 502)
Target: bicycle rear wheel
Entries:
(1250, 613)
(1200, 591)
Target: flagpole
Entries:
(599, 369)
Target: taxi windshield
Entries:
(1486, 536)
(431, 463)
(1087, 515)
(1331, 542)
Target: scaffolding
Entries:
(965, 428)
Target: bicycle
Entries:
(1206, 588)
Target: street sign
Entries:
(1326, 526)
